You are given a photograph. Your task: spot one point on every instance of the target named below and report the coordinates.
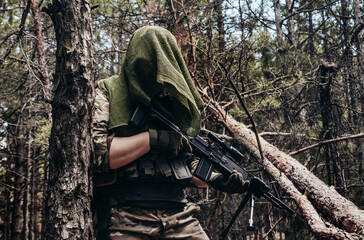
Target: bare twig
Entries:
(20, 33)
(271, 229)
(360, 135)
(246, 111)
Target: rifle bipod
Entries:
(247, 197)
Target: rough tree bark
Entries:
(359, 23)
(42, 62)
(279, 30)
(176, 26)
(278, 20)
(311, 46)
(329, 215)
(291, 25)
(347, 62)
(27, 188)
(18, 150)
(68, 199)
(182, 32)
(326, 77)
(220, 24)
(43, 72)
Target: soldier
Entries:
(143, 171)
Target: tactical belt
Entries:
(148, 195)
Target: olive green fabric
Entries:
(116, 91)
(153, 63)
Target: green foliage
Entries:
(43, 133)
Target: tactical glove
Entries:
(168, 142)
(234, 184)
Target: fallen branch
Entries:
(360, 135)
(263, 134)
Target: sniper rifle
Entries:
(211, 158)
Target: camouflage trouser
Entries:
(139, 224)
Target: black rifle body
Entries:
(211, 157)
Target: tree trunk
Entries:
(181, 31)
(326, 76)
(42, 63)
(329, 215)
(326, 44)
(291, 28)
(278, 23)
(69, 193)
(278, 19)
(360, 59)
(347, 64)
(19, 176)
(311, 47)
(37, 180)
(7, 202)
(220, 24)
(27, 186)
(176, 26)
(33, 198)
(359, 22)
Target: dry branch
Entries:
(360, 135)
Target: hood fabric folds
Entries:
(153, 64)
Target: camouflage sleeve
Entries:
(100, 131)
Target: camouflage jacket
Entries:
(100, 131)
(101, 136)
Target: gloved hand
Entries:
(165, 141)
(193, 165)
(234, 184)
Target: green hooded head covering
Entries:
(153, 64)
